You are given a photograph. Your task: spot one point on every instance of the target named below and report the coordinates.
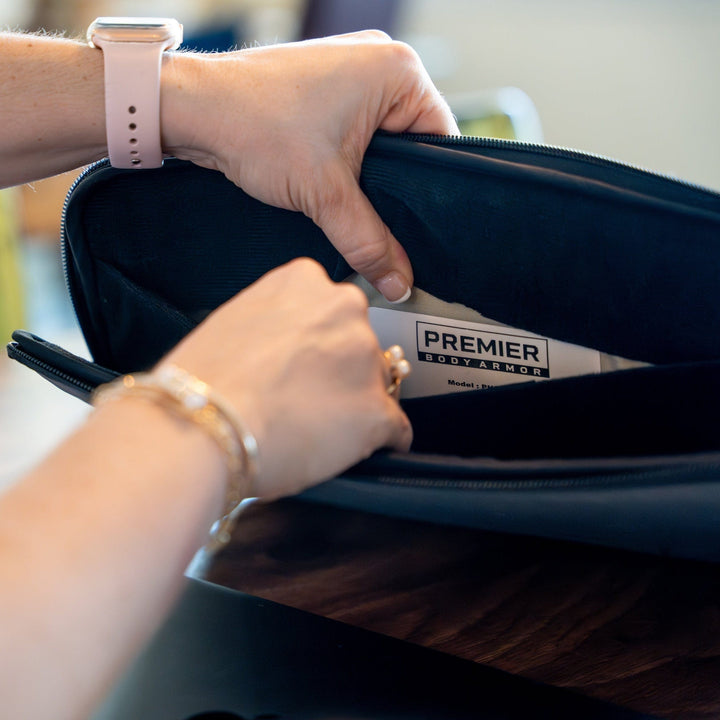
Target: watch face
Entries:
(136, 29)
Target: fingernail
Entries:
(394, 287)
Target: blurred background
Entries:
(631, 79)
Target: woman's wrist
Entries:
(177, 83)
(190, 399)
(187, 108)
(177, 455)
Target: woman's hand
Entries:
(295, 355)
(290, 125)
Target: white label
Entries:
(455, 355)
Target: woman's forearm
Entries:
(52, 106)
(93, 545)
(94, 542)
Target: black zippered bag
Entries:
(567, 245)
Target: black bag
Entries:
(565, 245)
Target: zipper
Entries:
(551, 151)
(459, 141)
(89, 170)
(439, 141)
(640, 478)
(50, 370)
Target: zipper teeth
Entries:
(634, 479)
(52, 370)
(63, 217)
(552, 151)
(439, 140)
(530, 483)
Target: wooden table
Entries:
(640, 631)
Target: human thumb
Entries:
(353, 226)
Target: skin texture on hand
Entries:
(288, 123)
(295, 355)
(292, 123)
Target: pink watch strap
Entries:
(132, 103)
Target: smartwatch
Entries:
(132, 53)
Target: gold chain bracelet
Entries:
(189, 398)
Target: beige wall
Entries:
(634, 79)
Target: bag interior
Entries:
(638, 281)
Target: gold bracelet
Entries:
(189, 398)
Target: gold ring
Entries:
(399, 368)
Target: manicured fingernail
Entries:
(394, 287)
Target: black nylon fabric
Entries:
(580, 251)
(153, 254)
(659, 410)
(569, 257)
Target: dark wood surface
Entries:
(636, 630)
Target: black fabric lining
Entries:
(617, 277)
(145, 326)
(548, 252)
(645, 411)
(200, 240)
(622, 279)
